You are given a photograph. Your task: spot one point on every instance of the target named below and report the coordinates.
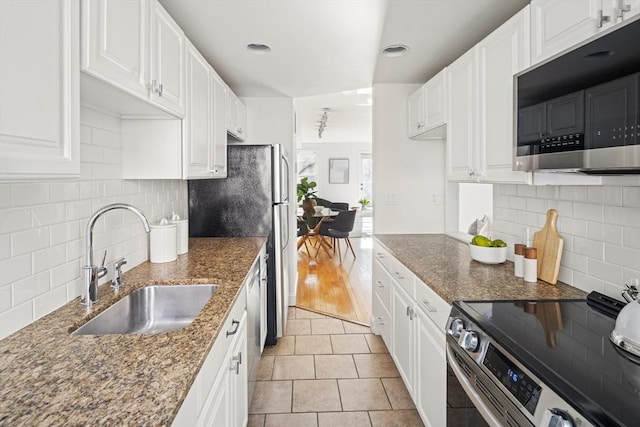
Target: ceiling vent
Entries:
(395, 50)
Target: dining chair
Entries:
(338, 229)
(339, 206)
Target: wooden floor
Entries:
(343, 291)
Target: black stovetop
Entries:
(566, 344)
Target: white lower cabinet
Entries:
(402, 327)
(430, 394)
(414, 332)
(219, 394)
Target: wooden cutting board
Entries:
(548, 244)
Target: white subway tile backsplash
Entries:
(607, 233)
(590, 212)
(16, 318)
(5, 196)
(15, 268)
(622, 256)
(631, 197)
(28, 241)
(29, 288)
(600, 226)
(48, 258)
(44, 224)
(15, 220)
(29, 194)
(628, 216)
(605, 271)
(5, 246)
(45, 304)
(64, 191)
(573, 193)
(48, 214)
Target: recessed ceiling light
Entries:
(258, 48)
(394, 50)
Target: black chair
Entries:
(303, 230)
(339, 206)
(338, 229)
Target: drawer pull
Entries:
(399, 275)
(236, 361)
(428, 307)
(233, 332)
(380, 284)
(380, 321)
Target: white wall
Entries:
(42, 225)
(349, 192)
(600, 226)
(407, 173)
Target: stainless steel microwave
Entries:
(581, 111)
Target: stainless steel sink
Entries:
(151, 310)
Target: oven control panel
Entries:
(502, 388)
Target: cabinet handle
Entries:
(602, 18)
(410, 313)
(622, 8)
(240, 131)
(380, 284)
(380, 321)
(428, 307)
(399, 276)
(237, 324)
(236, 361)
(160, 89)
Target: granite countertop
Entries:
(48, 377)
(444, 264)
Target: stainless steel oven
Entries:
(542, 363)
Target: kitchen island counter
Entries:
(48, 377)
(444, 264)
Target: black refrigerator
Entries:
(252, 201)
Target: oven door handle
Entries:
(480, 404)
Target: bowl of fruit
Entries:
(487, 251)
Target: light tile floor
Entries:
(327, 372)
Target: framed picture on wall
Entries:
(338, 171)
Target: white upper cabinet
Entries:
(502, 54)
(114, 43)
(557, 25)
(462, 126)
(219, 147)
(39, 87)
(199, 116)
(135, 46)
(428, 109)
(166, 69)
(481, 105)
(236, 116)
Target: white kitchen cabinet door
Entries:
(239, 378)
(167, 70)
(502, 54)
(114, 43)
(462, 117)
(557, 25)
(431, 372)
(402, 335)
(216, 410)
(231, 103)
(219, 128)
(415, 108)
(198, 116)
(241, 120)
(435, 101)
(39, 87)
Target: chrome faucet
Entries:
(93, 272)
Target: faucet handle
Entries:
(102, 270)
(116, 283)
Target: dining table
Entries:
(318, 217)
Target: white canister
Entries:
(530, 269)
(182, 242)
(162, 242)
